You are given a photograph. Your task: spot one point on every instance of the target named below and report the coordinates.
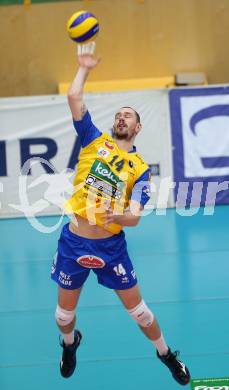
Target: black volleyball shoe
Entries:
(178, 369)
(68, 361)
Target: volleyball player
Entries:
(111, 189)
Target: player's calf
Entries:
(145, 319)
(71, 340)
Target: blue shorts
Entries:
(107, 257)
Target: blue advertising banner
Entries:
(200, 140)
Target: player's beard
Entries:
(121, 135)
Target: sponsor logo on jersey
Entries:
(90, 180)
(106, 182)
(103, 152)
(109, 146)
(103, 172)
(90, 261)
(103, 187)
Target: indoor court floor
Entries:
(182, 268)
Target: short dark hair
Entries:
(136, 114)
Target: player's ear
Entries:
(138, 128)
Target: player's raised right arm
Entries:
(87, 62)
(75, 94)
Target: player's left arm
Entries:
(140, 196)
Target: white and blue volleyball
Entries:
(82, 27)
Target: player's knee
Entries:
(64, 317)
(142, 315)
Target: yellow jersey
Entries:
(105, 176)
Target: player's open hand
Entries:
(86, 57)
